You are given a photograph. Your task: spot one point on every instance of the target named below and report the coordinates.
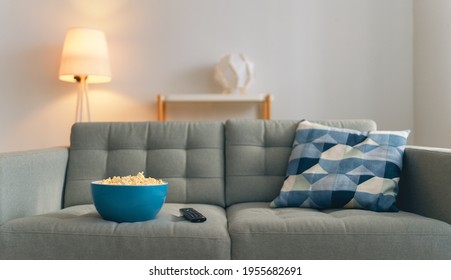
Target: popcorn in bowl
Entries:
(129, 198)
(138, 180)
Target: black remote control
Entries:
(192, 215)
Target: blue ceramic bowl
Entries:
(120, 203)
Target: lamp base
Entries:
(82, 100)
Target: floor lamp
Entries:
(84, 60)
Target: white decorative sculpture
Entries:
(235, 72)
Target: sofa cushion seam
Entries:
(257, 146)
(140, 149)
(103, 235)
(345, 233)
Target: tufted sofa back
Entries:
(257, 155)
(203, 162)
(188, 155)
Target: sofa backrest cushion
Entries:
(188, 155)
(257, 154)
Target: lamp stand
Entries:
(82, 100)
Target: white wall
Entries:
(321, 59)
(432, 83)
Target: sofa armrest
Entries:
(425, 184)
(31, 182)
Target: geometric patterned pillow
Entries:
(343, 168)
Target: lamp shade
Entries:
(85, 54)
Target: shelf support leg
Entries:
(161, 106)
(267, 107)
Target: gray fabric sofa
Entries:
(229, 172)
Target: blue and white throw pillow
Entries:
(343, 168)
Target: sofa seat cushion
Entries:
(260, 232)
(79, 232)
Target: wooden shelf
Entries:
(261, 99)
